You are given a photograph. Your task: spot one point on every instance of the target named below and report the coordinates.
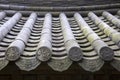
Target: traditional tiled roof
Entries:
(59, 2)
(89, 38)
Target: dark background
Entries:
(44, 72)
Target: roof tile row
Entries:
(60, 41)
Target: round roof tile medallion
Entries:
(44, 53)
(12, 53)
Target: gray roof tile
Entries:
(59, 39)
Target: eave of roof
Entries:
(24, 35)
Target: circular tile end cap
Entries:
(44, 53)
(106, 53)
(12, 53)
(75, 53)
